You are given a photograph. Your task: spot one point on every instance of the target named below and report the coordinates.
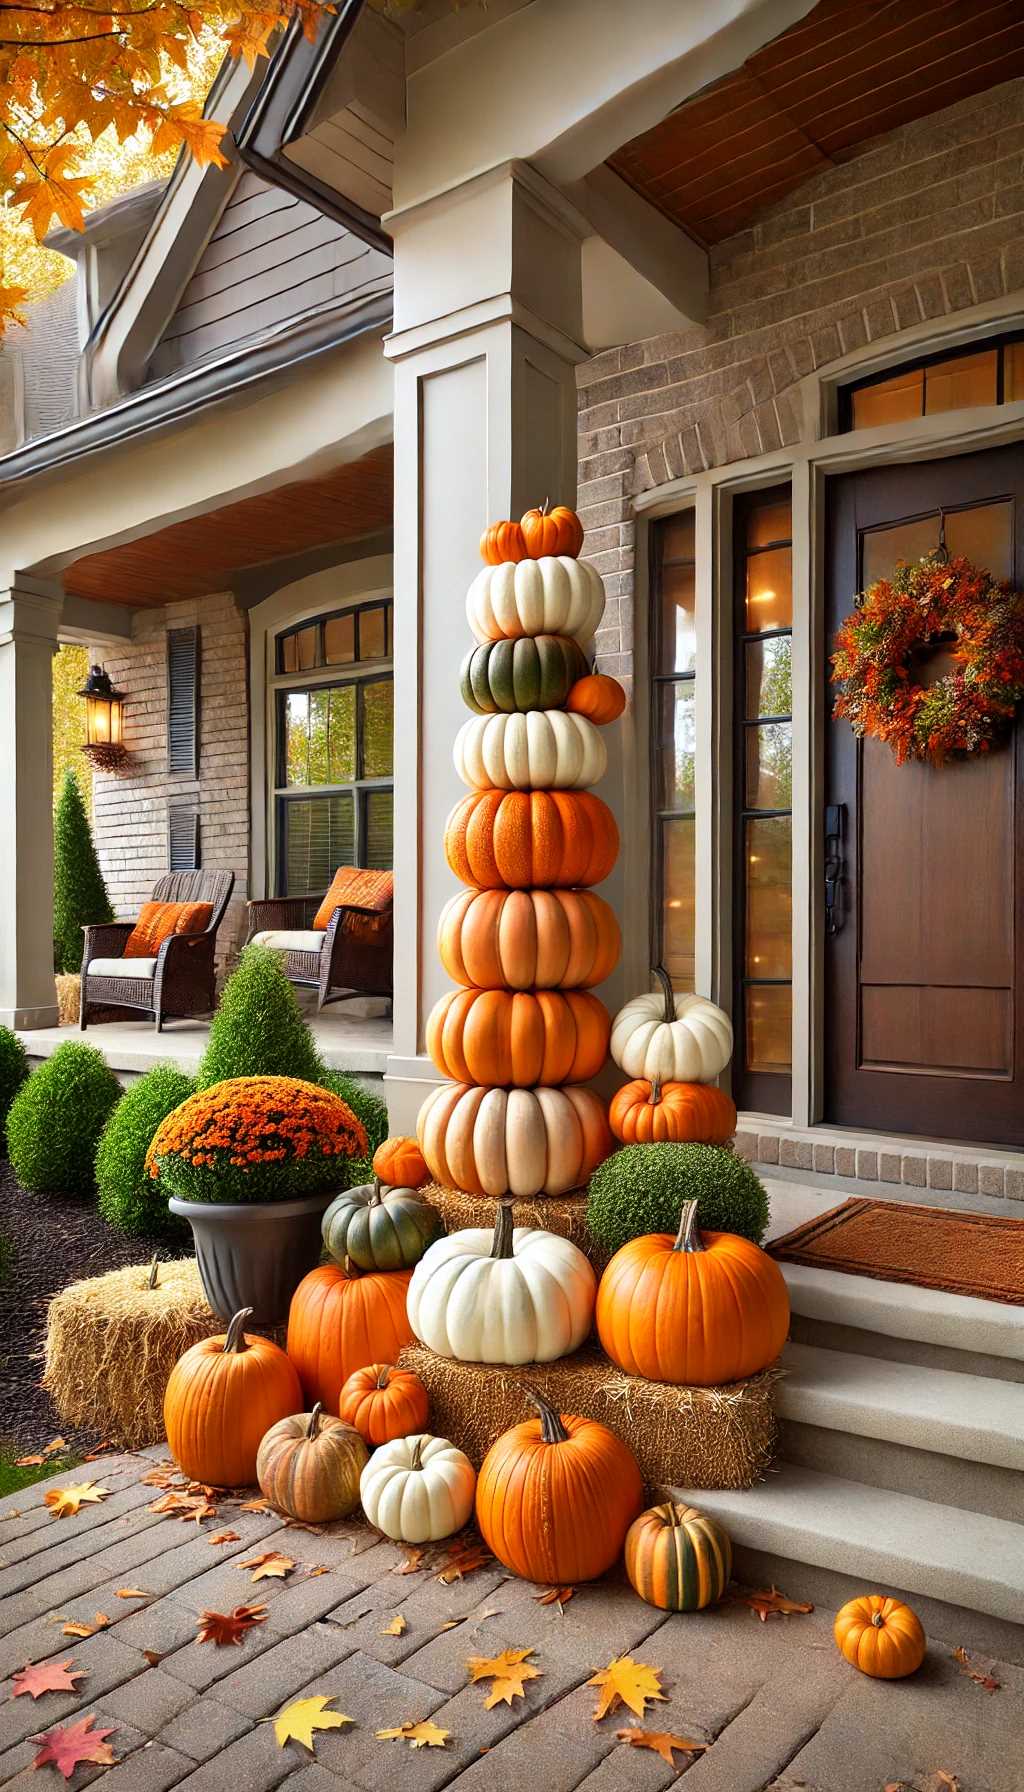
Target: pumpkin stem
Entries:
(376, 1198)
(154, 1268)
(417, 1453)
(502, 1242)
(688, 1238)
(878, 1621)
(235, 1339)
(352, 1270)
(314, 1421)
(655, 1095)
(552, 1431)
(383, 1375)
(544, 507)
(668, 1513)
(668, 992)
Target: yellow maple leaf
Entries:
(422, 1735)
(661, 1742)
(297, 1722)
(64, 1502)
(397, 1627)
(627, 1682)
(508, 1671)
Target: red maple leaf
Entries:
(70, 1744)
(47, 1676)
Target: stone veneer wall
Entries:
(922, 223)
(130, 813)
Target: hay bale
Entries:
(681, 1437)
(564, 1214)
(112, 1341)
(69, 993)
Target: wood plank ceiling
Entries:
(201, 555)
(849, 71)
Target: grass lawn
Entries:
(13, 1478)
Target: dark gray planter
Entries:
(254, 1253)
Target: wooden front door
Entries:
(925, 959)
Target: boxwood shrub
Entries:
(13, 1069)
(56, 1118)
(642, 1189)
(129, 1198)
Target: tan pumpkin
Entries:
(882, 1637)
(528, 939)
(520, 1142)
(557, 531)
(222, 1396)
(600, 698)
(520, 1037)
(399, 1163)
(526, 839)
(646, 1113)
(309, 1466)
(383, 1402)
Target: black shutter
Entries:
(183, 837)
(183, 701)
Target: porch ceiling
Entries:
(200, 555)
(850, 70)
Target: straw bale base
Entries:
(69, 994)
(112, 1341)
(681, 1437)
(564, 1214)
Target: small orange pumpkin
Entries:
(502, 541)
(557, 531)
(339, 1321)
(400, 1163)
(646, 1113)
(882, 1637)
(383, 1402)
(221, 1398)
(600, 698)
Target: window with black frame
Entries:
(334, 785)
(673, 744)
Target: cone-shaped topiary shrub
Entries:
(258, 1029)
(13, 1069)
(642, 1188)
(79, 894)
(128, 1196)
(56, 1119)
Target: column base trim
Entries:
(29, 1019)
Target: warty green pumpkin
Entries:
(533, 672)
(380, 1228)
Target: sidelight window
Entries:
(673, 739)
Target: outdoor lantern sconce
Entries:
(104, 719)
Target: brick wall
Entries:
(922, 223)
(130, 813)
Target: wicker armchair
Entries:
(180, 981)
(351, 957)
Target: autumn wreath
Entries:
(935, 599)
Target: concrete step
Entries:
(875, 1538)
(826, 1302)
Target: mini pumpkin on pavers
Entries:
(384, 1402)
(339, 1321)
(678, 1558)
(880, 1636)
(418, 1489)
(379, 1228)
(309, 1466)
(222, 1398)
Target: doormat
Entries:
(932, 1247)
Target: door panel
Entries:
(924, 995)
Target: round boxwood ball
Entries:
(13, 1069)
(642, 1188)
(56, 1118)
(129, 1197)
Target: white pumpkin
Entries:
(546, 749)
(555, 595)
(519, 1295)
(513, 1141)
(671, 1039)
(417, 1489)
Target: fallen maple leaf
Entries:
(64, 1502)
(229, 1627)
(979, 1675)
(423, 1735)
(297, 1722)
(314, 1572)
(661, 1742)
(258, 1505)
(412, 1559)
(185, 1506)
(397, 1627)
(555, 1596)
(225, 1537)
(74, 1627)
(46, 1676)
(449, 1624)
(54, 1447)
(29, 1461)
(462, 1557)
(508, 1670)
(153, 1656)
(770, 1603)
(271, 1565)
(133, 1593)
(65, 1747)
(627, 1682)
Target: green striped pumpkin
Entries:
(380, 1228)
(534, 672)
(677, 1558)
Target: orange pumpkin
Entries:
(502, 541)
(882, 1637)
(340, 1321)
(383, 1402)
(518, 1038)
(555, 1497)
(599, 698)
(399, 1163)
(651, 1113)
(557, 531)
(222, 1396)
(529, 839)
(699, 1309)
(528, 939)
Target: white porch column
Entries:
(29, 619)
(487, 335)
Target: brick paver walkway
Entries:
(775, 1702)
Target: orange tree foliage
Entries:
(70, 73)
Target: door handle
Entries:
(835, 866)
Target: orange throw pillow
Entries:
(361, 889)
(158, 920)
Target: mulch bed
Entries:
(52, 1240)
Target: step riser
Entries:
(924, 1355)
(928, 1475)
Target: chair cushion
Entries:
(122, 967)
(363, 889)
(158, 920)
(282, 939)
